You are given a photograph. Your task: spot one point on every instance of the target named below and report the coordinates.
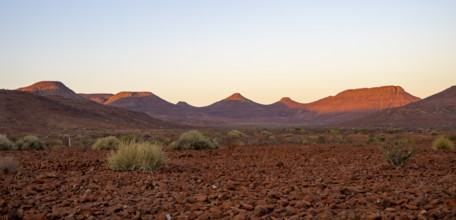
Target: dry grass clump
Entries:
(30, 142)
(5, 143)
(443, 143)
(106, 143)
(233, 138)
(193, 140)
(235, 134)
(397, 155)
(8, 164)
(142, 156)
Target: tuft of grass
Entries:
(141, 156)
(5, 143)
(443, 143)
(30, 142)
(193, 140)
(397, 155)
(106, 143)
(8, 164)
(235, 134)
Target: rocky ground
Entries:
(323, 181)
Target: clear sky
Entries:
(203, 51)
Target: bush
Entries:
(8, 164)
(106, 143)
(235, 134)
(443, 143)
(30, 142)
(233, 138)
(193, 140)
(5, 143)
(320, 139)
(137, 156)
(397, 155)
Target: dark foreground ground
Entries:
(324, 181)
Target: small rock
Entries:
(246, 206)
(374, 216)
(412, 207)
(390, 209)
(240, 216)
(261, 210)
(291, 210)
(201, 198)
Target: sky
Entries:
(203, 51)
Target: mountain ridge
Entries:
(236, 109)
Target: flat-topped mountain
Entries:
(362, 100)
(438, 110)
(145, 102)
(47, 88)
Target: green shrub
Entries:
(8, 164)
(5, 143)
(443, 143)
(128, 138)
(106, 143)
(30, 142)
(136, 156)
(397, 155)
(320, 139)
(193, 140)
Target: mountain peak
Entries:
(290, 102)
(236, 97)
(286, 99)
(46, 88)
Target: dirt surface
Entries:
(250, 182)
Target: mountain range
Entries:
(365, 107)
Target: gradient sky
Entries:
(203, 51)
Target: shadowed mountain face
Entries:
(238, 110)
(47, 88)
(141, 101)
(438, 110)
(100, 97)
(28, 112)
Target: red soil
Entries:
(269, 182)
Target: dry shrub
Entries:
(193, 140)
(142, 156)
(397, 155)
(8, 164)
(5, 143)
(106, 143)
(30, 142)
(443, 143)
(233, 138)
